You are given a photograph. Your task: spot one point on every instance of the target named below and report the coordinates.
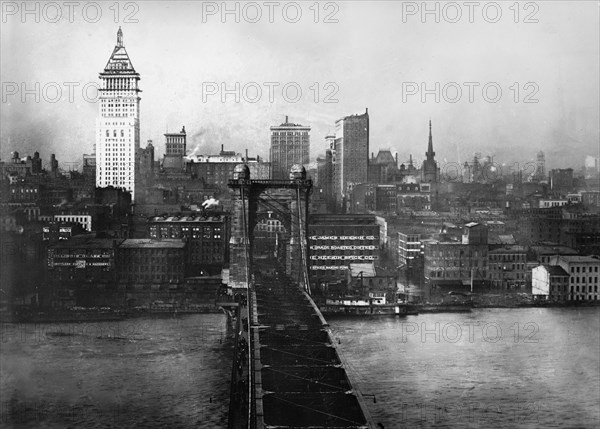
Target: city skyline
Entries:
(564, 123)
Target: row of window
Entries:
(576, 279)
(153, 268)
(506, 257)
(591, 269)
(500, 267)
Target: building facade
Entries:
(335, 241)
(82, 260)
(176, 146)
(351, 146)
(454, 263)
(290, 145)
(550, 282)
(207, 238)
(507, 267)
(144, 262)
(583, 276)
(410, 248)
(118, 124)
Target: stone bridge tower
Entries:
(288, 201)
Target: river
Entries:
(135, 373)
(503, 368)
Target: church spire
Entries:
(120, 37)
(430, 153)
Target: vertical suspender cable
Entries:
(302, 243)
(251, 423)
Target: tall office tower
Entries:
(351, 153)
(290, 144)
(175, 144)
(429, 170)
(118, 125)
(540, 170)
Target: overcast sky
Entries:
(376, 55)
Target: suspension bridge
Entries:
(286, 369)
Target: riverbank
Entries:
(94, 314)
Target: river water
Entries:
(505, 368)
(135, 373)
(501, 368)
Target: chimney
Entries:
(246, 156)
(222, 147)
(286, 119)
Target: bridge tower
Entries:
(253, 201)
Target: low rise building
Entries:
(450, 262)
(583, 276)
(365, 279)
(507, 267)
(550, 282)
(145, 263)
(207, 238)
(83, 259)
(338, 240)
(410, 248)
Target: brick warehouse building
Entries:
(335, 241)
(207, 238)
(145, 263)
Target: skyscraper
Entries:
(429, 170)
(118, 124)
(351, 153)
(176, 147)
(290, 144)
(540, 170)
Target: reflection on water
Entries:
(143, 372)
(532, 368)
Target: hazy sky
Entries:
(375, 56)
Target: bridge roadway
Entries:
(298, 378)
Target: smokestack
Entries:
(286, 119)
(222, 147)
(246, 156)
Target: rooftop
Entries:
(512, 249)
(216, 218)
(553, 250)
(367, 270)
(87, 241)
(579, 258)
(556, 270)
(147, 243)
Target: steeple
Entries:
(119, 62)
(430, 153)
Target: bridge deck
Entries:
(300, 380)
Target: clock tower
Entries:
(118, 123)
